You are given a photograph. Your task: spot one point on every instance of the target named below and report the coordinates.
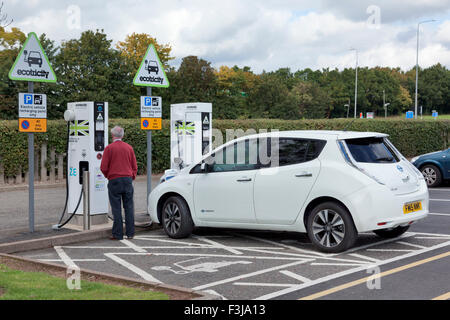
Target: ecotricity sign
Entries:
(32, 63)
(151, 72)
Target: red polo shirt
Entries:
(118, 161)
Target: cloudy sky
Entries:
(262, 34)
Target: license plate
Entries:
(412, 207)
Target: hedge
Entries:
(411, 137)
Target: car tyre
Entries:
(432, 175)
(176, 218)
(391, 233)
(331, 228)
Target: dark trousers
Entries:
(121, 189)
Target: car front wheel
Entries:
(432, 175)
(176, 218)
(330, 228)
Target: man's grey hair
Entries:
(117, 132)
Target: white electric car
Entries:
(330, 184)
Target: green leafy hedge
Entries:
(411, 137)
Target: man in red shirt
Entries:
(120, 168)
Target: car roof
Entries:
(316, 134)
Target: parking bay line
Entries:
(143, 274)
(440, 214)
(64, 257)
(382, 274)
(249, 275)
(217, 245)
(295, 276)
(133, 246)
(350, 271)
(439, 199)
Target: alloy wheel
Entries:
(328, 228)
(430, 175)
(172, 217)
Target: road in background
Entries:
(49, 203)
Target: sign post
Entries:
(150, 74)
(32, 65)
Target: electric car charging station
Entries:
(87, 139)
(190, 132)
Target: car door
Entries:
(280, 191)
(446, 164)
(225, 192)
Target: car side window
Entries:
(235, 157)
(291, 151)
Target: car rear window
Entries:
(371, 150)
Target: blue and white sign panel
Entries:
(151, 107)
(409, 115)
(435, 114)
(33, 105)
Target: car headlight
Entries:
(414, 159)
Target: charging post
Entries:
(150, 74)
(32, 65)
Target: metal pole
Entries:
(417, 65)
(384, 104)
(417, 71)
(31, 171)
(86, 202)
(149, 157)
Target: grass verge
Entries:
(23, 285)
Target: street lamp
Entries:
(417, 63)
(356, 78)
(385, 105)
(348, 106)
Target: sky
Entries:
(264, 35)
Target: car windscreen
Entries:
(371, 150)
(34, 54)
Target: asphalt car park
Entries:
(237, 264)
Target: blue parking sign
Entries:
(28, 99)
(409, 115)
(148, 101)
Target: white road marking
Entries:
(439, 199)
(75, 260)
(357, 255)
(143, 274)
(65, 258)
(440, 214)
(347, 272)
(439, 189)
(295, 276)
(433, 234)
(248, 275)
(213, 256)
(133, 246)
(310, 252)
(258, 284)
(217, 245)
(403, 236)
(179, 242)
(305, 256)
(411, 244)
(390, 250)
(337, 264)
(434, 238)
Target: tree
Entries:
(89, 69)
(135, 46)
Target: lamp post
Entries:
(356, 79)
(417, 64)
(385, 105)
(348, 106)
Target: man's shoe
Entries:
(130, 237)
(114, 238)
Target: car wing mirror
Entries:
(204, 167)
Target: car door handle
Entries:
(244, 180)
(304, 174)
